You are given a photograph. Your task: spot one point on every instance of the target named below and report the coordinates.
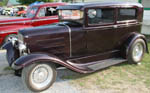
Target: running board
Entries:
(106, 63)
(84, 67)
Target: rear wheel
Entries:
(39, 77)
(136, 51)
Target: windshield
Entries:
(31, 12)
(70, 14)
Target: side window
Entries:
(41, 12)
(51, 11)
(100, 16)
(48, 11)
(126, 14)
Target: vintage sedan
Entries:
(90, 36)
(37, 15)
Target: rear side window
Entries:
(48, 11)
(126, 14)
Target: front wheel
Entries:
(136, 51)
(39, 77)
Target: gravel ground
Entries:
(13, 84)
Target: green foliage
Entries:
(3, 2)
(27, 2)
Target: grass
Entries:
(7, 68)
(125, 78)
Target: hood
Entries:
(9, 21)
(45, 38)
(43, 30)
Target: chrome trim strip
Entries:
(43, 19)
(125, 24)
(27, 21)
(14, 22)
(3, 32)
(69, 38)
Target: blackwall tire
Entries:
(39, 77)
(136, 51)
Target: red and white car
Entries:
(36, 15)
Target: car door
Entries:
(46, 15)
(127, 22)
(100, 29)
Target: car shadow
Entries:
(67, 74)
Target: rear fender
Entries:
(24, 61)
(12, 29)
(131, 39)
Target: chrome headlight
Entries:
(22, 47)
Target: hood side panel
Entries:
(49, 39)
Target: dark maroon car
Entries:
(90, 36)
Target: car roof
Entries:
(48, 4)
(80, 6)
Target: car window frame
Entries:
(39, 12)
(36, 11)
(45, 12)
(105, 24)
(128, 20)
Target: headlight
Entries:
(22, 47)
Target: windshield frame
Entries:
(29, 10)
(60, 12)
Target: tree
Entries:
(27, 2)
(3, 2)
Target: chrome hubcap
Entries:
(41, 76)
(137, 52)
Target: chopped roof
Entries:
(49, 4)
(91, 4)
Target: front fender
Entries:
(31, 58)
(24, 61)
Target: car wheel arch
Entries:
(24, 61)
(132, 38)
